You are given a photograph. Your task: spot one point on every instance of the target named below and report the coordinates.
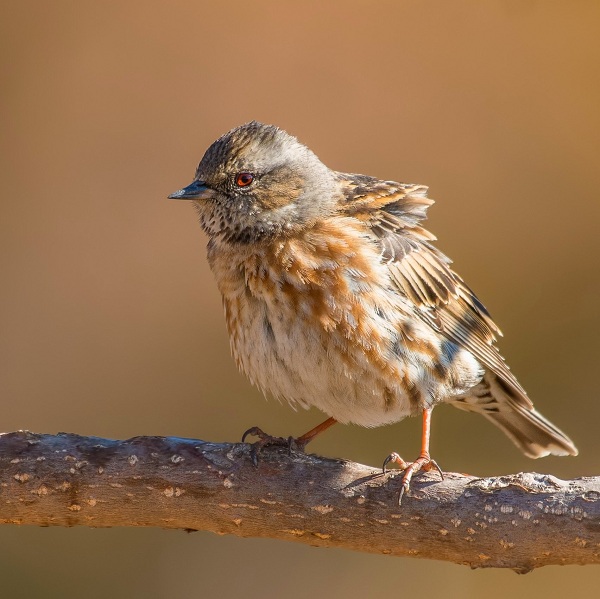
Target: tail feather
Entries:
(535, 436)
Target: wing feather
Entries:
(393, 211)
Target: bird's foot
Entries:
(265, 440)
(423, 462)
(292, 443)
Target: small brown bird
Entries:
(335, 297)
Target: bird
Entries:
(336, 297)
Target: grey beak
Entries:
(194, 191)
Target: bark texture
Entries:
(521, 521)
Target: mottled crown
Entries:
(253, 146)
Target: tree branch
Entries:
(520, 521)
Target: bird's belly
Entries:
(288, 360)
(292, 358)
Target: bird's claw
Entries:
(423, 462)
(394, 458)
(265, 440)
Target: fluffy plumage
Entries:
(335, 297)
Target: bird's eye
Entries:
(244, 179)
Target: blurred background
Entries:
(111, 325)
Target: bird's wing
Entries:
(393, 212)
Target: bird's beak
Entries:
(197, 190)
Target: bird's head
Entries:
(258, 182)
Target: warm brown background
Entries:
(111, 324)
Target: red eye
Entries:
(244, 179)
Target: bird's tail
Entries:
(512, 412)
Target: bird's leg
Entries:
(297, 443)
(303, 440)
(423, 462)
